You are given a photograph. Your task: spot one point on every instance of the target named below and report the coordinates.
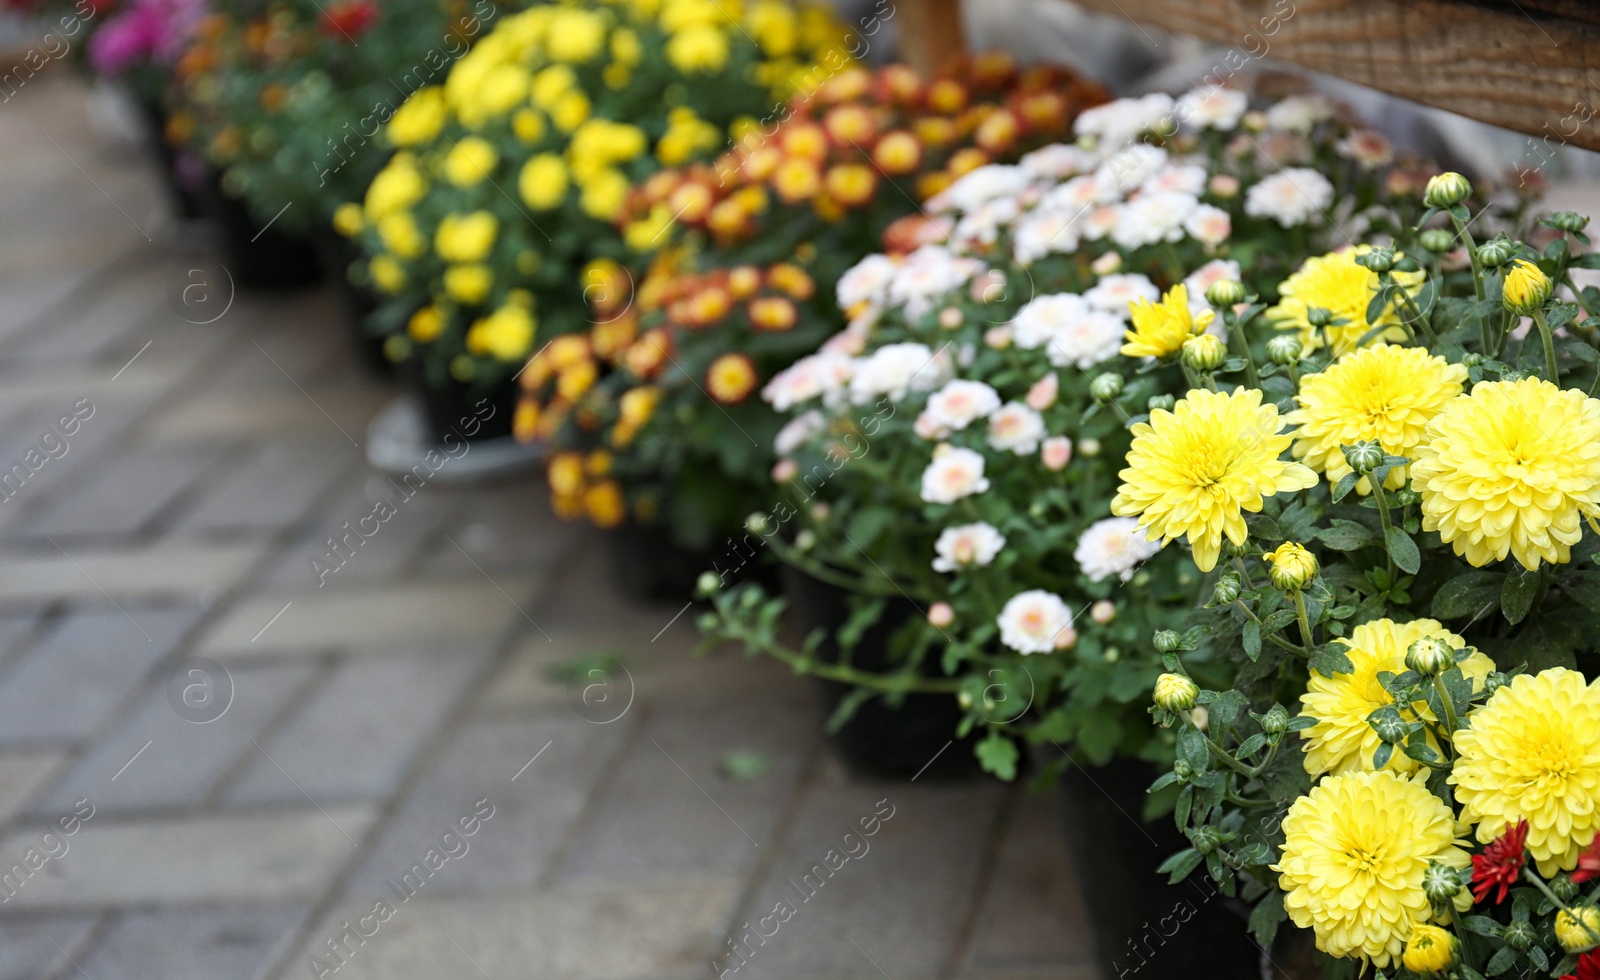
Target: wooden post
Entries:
(1528, 65)
(930, 32)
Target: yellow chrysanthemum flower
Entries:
(1334, 282)
(1354, 852)
(575, 35)
(468, 283)
(400, 235)
(470, 161)
(1341, 740)
(505, 334)
(1193, 470)
(543, 182)
(1512, 468)
(701, 48)
(1386, 394)
(396, 187)
(419, 119)
(466, 237)
(1159, 329)
(1430, 950)
(1533, 753)
(387, 274)
(1579, 929)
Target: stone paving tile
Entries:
(506, 526)
(191, 944)
(35, 429)
(270, 490)
(65, 686)
(184, 759)
(405, 614)
(31, 945)
(21, 773)
(354, 736)
(126, 493)
(534, 807)
(901, 894)
(583, 595)
(254, 857)
(1033, 916)
(166, 569)
(625, 932)
(131, 303)
(675, 764)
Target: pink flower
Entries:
(1056, 453)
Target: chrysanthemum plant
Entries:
(951, 456)
(286, 99)
(744, 283)
(509, 176)
(1392, 493)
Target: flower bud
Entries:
(941, 615)
(1182, 769)
(1527, 288)
(1088, 446)
(1495, 681)
(1446, 189)
(1291, 567)
(1227, 588)
(1204, 353)
(1318, 316)
(1568, 221)
(1493, 255)
(1437, 240)
(1578, 929)
(1378, 259)
(1564, 887)
(1285, 349)
(1106, 387)
(1205, 839)
(1471, 359)
(1103, 611)
(1160, 403)
(1430, 656)
(1391, 730)
(1520, 936)
(950, 318)
(756, 523)
(1364, 456)
(1440, 883)
(1430, 950)
(1166, 641)
(1276, 720)
(1175, 693)
(708, 583)
(805, 540)
(1225, 293)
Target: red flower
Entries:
(1588, 967)
(1500, 864)
(1588, 863)
(349, 19)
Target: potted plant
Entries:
(508, 175)
(743, 287)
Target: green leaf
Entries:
(1501, 961)
(743, 765)
(1403, 550)
(1483, 925)
(1192, 749)
(1346, 484)
(1343, 535)
(1331, 659)
(1466, 595)
(1583, 587)
(998, 756)
(1266, 916)
(1252, 639)
(1381, 757)
(1180, 865)
(1180, 812)
(1516, 595)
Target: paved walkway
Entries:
(393, 737)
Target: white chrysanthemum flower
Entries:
(866, 282)
(1016, 428)
(1368, 148)
(1128, 169)
(1083, 341)
(1211, 107)
(930, 271)
(1037, 323)
(822, 374)
(955, 473)
(798, 431)
(983, 223)
(1290, 197)
(895, 370)
(1176, 178)
(1081, 192)
(1114, 546)
(1058, 161)
(960, 403)
(1217, 270)
(1034, 621)
(1119, 121)
(1113, 293)
(1208, 225)
(1301, 113)
(987, 183)
(967, 546)
(1152, 218)
(1098, 223)
(1045, 232)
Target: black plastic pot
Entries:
(648, 565)
(1142, 925)
(879, 741)
(258, 254)
(451, 408)
(182, 193)
(335, 254)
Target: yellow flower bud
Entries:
(1175, 692)
(1579, 929)
(1429, 950)
(1291, 567)
(1526, 287)
(1204, 353)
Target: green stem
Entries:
(1241, 346)
(1551, 372)
(804, 664)
(1305, 621)
(1224, 757)
(1451, 723)
(1273, 637)
(1382, 499)
(1538, 883)
(1472, 255)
